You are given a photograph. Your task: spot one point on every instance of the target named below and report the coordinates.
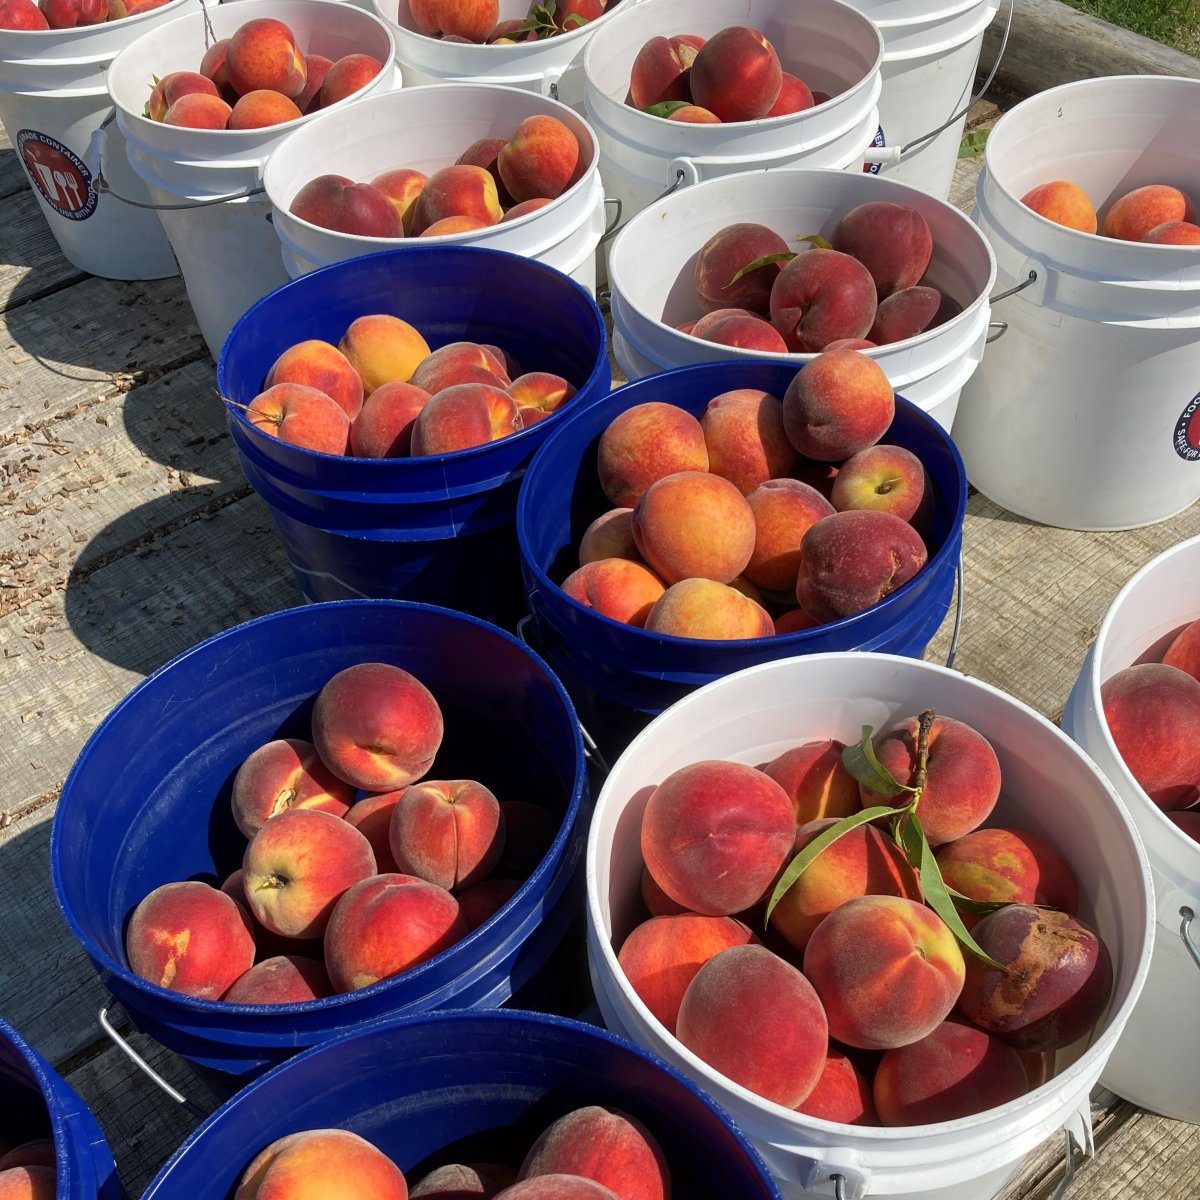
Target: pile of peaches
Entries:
(495, 179)
(861, 289)
(1153, 713)
(1157, 213)
(478, 21)
(257, 78)
(735, 75)
(29, 1170)
(591, 1153)
(382, 393)
(357, 866)
(759, 502)
(69, 14)
(855, 1001)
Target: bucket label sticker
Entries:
(876, 142)
(58, 174)
(1187, 431)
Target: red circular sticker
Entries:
(1187, 432)
(58, 174)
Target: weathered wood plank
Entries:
(31, 264)
(12, 178)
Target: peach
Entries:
(887, 969)
(892, 241)
(645, 443)
(954, 1071)
(851, 344)
(449, 226)
(1184, 650)
(349, 74)
(386, 924)
(616, 588)
(21, 14)
(604, 1145)
(298, 865)
(469, 19)
(262, 54)
(747, 333)
(557, 1187)
(822, 296)
(540, 390)
(27, 1183)
(190, 938)
(784, 510)
(662, 955)
(703, 608)
(904, 314)
(657, 902)
(466, 415)
(743, 433)
(693, 114)
(483, 900)
(724, 255)
(736, 75)
(321, 365)
(322, 1164)
(794, 96)
(963, 780)
(660, 72)
(212, 65)
(383, 429)
(702, 325)
(841, 1094)
(1187, 822)
(261, 109)
(301, 416)
(372, 817)
(316, 67)
(281, 775)
(284, 979)
(37, 1153)
(715, 834)
(337, 203)
(1063, 202)
(402, 186)
(71, 14)
(457, 191)
(1008, 866)
(758, 1021)
(510, 32)
(529, 832)
(793, 621)
(483, 153)
(171, 87)
(885, 479)
(1173, 233)
(610, 535)
(459, 362)
(382, 348)
(525, 208)
(852, 560)
(1054, 980)
(198, 111)
(1135, 213)
(694, 525)
(1153, 715)
(540, 159)
(458, 1181)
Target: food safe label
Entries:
(58, 174)
(1187, 432)
(877, 141)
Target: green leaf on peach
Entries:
(765, 261)
(664, 108)
(977, 908)
(817, 240)
(860, 760)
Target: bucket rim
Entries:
(81, 33)
(321, 610)
(48, 1082)
(877, 1136)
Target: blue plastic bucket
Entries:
(454, 1087)
(37, 1103)
(147, 802)
(436, 529)
(620, 675)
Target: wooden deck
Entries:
(129, 534)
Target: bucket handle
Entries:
(1185, 932)
(1001, 327)
(146, 1069)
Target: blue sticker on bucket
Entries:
(877, 141)
(1187, 432)
(58, 174)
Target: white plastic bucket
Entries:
(427, 128)
(1157, 1060)
(929, 64)
(830, 46)
(652, 261)
(1081, 414)
(753, 716)
(53, 98)
(227, 250)
(551, 67)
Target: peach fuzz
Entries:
(212, 66)
(171, 87)
(794, 96)
(541, 390)
(814, 778)
(262, 54)
(904, 314)
(1137, 212)
(284, 979)
(386, 924)
(261, 109)
(892, 241)
(459, 362)
(483, 900)
(316, 67)
(457, 191)
(466, 415)
(645, 443)
(190, 938)
(724, 255)
(841, 1094)
(372, 817)
(1063, 202)
(1008, 866)
(384, 426)
(542, 159)
(852, 560)
(70, 14)
(21, 14)
(1173, 233)
(1153, 714)
(337, 203)
(703, 324)
(322, 1164)
(616, 588)
(483, 153)
(469, 19)
(298, 865)
(784, 511)
(198, 111)
(736, 75)
(705, 609)
(461, 1181)
(349, 74)
(746, 333)
(557, 1187)
(449, 226)
(822, 296)
(693, 114)
(450, 832)
(954, 1071)
(885, 479)
(715, 834)
(301, 416)
(887, 969)
(376, 726)
(1184, 650)
(793, 621)
(529, 832)
(27, 1183)
(963, 780)
(383, 349)
(402, 186)
(525, 208)
(743, 433)
(662, 955)
(660, 71)
(758, 1021)
(610, 535)
(323, 366)
(285, 774)
(657, 902)
(604, 1145)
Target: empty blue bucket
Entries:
(468, 1087)
(435, 529)
(620, 675)
(35, 1102)
(147, 802)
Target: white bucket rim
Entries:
(971, 25)
(80, 33)
(878, 1135)
(920, 14)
